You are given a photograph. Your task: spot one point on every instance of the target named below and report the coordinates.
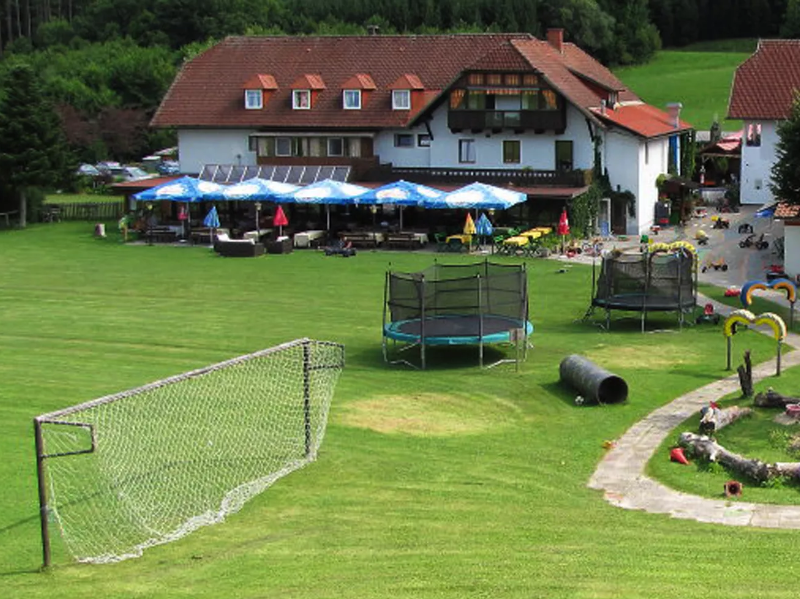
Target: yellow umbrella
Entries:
(469, 226)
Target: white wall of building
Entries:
(633, 164)
(198, 147)
(791, 250)
(537, 152)
(757, 161)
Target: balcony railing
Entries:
(500, 177)
(480, 120)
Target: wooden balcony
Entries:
(499, 177)
(497, 120)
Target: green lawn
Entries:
(453, 482)
(700, 80)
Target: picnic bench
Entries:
(410, 241)
(161, 235)
(364, 238)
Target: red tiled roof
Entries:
(764, 84)
(786, 210)
(308, 82)
(261, 82)
(407, 81)
(359, 81)
(586, 67)
(550, 63)
(642, 119)
(207, 90)
(141, 184)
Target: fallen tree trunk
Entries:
(706, 448)
(773, 399)
(713, 419)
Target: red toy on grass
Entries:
(677, 455)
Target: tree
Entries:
(33, 152)
(786, 170)
(791, 22)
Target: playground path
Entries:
(621, 473)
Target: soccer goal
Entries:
(147, 466)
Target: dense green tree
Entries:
(588, 25)
(33, 152)
(786, 170)
(791, 22)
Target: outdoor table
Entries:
(542, 230)
(531, 234)
(465, 239)
(306, 239)
(517, 241)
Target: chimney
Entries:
(373, 29)
(674, 111)
(555, 37)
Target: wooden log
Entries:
(773, 399)
(713, 419)
(746, 375)
(706, 448)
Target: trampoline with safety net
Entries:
(648, 281)
(456, 304)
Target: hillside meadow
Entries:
(452, 482)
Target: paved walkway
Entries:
(621, 473)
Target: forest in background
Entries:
(106, 64)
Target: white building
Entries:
(504, 109)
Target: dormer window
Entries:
(352, 99)
(253, 99)
(401, 99)
(301, 99)
(258, 90)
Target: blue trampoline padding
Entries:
(455, 330)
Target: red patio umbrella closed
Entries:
(280, 220)
(563, 227)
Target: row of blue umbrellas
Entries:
(400, 193)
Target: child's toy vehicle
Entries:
(720, 223)
(708, 315)
(718, 264)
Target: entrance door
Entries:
(619, 224)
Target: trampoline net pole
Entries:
(421, 292)
(385, 305)
(479, 288)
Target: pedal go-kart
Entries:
(720, 223)
(718, 264)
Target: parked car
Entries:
(134, 173)
(88, 170)
(168, 167)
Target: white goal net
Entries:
(150, 465)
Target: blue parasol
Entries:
(483, 227)
(478, 196)
(212, 222)
(183, 189)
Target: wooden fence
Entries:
(89, 211)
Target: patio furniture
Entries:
(403, 240)
(366, 239)
(309, 239)
(282, 245)
(161, 235)
(238, 248)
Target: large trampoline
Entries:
(664, 280)
(457, 304)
